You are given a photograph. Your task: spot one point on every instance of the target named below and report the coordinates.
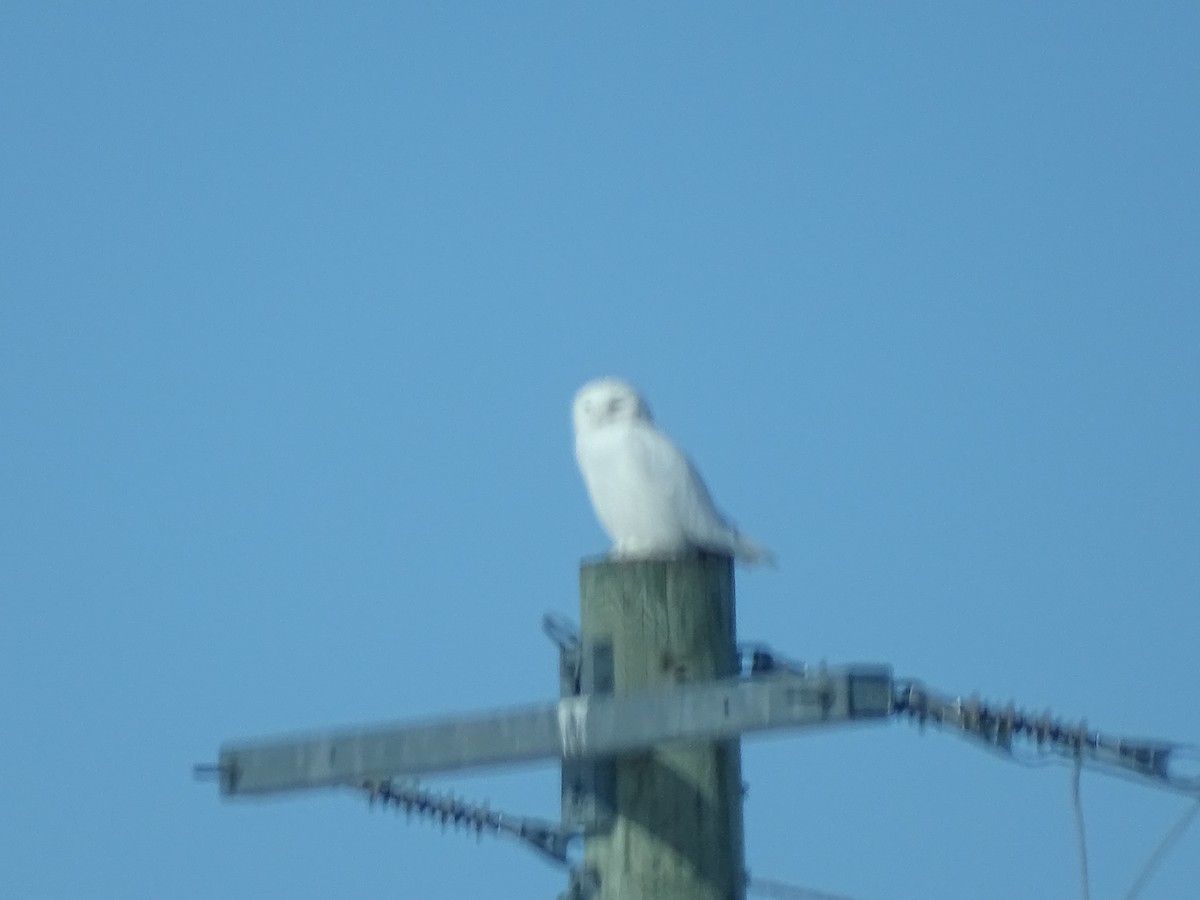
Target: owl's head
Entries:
(605, 401)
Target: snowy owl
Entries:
(645, 492)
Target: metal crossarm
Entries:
(574, 728)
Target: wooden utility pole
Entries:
(675, 831)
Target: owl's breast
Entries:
(633, 503)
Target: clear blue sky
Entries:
(294, 297)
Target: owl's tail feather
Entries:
(752, 553)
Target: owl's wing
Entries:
(677, 482)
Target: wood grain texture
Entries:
(678, 827)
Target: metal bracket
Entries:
(588, 786)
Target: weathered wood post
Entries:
(676, 829)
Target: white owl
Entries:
(645, 492)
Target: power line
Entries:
(1150, 761)
(1174, 833)
(1077, 804)
(547, 838)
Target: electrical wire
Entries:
(547, 838)
(1174, 833)
(1077, 803)
(997, 727)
